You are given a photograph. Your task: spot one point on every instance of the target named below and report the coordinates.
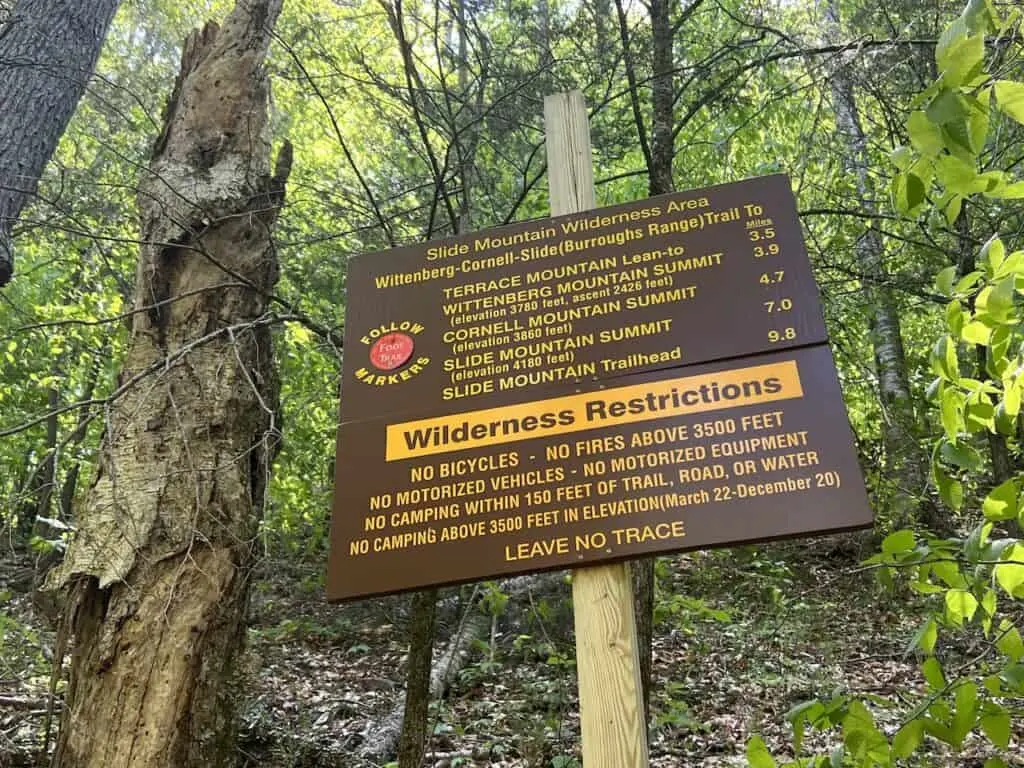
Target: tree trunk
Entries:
(412, 744)
(161, 563)
(662, 150)
(907, 462)
(660, 182)
(546, 59)
(48, 50)
(463, 142)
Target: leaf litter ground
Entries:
(743, 636)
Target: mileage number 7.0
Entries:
(778, 305)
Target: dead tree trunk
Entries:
(48, 49)
(160, 567)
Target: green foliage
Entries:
(22, 649)
(956, 129)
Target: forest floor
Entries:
(743, 636)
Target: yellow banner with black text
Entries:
(679, 396)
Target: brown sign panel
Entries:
(719, 453)
(555, 305)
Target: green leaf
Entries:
(952, 38)
(1013, 265)
(949, 573)
(758, 755)
(1010, 98)
(976, 333)
(978, 118)
(979, 16)
(902, 157)
(951, 405)
(926, 636)
(932, 670)
(961, 455)
(996, 725)
(900, 541)
(951, 209)
(925, 137)
(862, 737)
(960, 58)
(908, 738)
(980, 414)
(1011, 399)
(960, 606)
(976, 540)
(968, 281)
(908, 192)
(998, 347)
(988, 609)
(994, 762)
(951, 491)
(955, 318)
(944, 281)
(915, 190)
(1010, 642)
(958, 175)
(966, 710)
(938, 728)
(993, 253)
(945, 108)
(1010, 575)
(1014, 191)
(943, 359)
(1001, 502)
(996, 301)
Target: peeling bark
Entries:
(160, 566)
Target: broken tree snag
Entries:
(160, 565)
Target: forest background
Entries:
(900, 125)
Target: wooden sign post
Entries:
(607, 658)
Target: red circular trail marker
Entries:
(391, 351)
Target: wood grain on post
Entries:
(607, 659)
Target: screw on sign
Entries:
(391, 351)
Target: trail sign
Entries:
(548, 306)
(643, 378)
